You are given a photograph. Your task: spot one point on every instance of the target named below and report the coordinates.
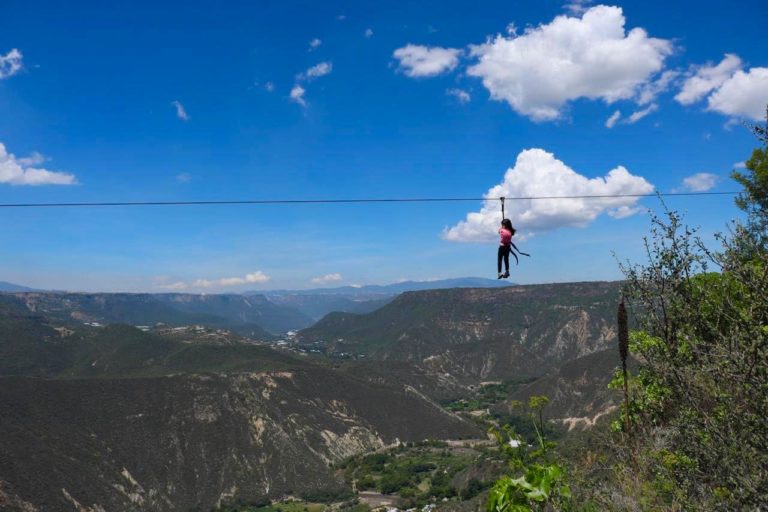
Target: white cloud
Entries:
(632, 119)
(368, 33)
(700, 182)
(184, 177)
(421, 61)
(252, 278)
(297, 95)
(744, 94)
(341, 17)
(269, 86)
(547, 66)
(740, 165)
(704, 79)
(328, 278)
(459, 94)
(636, 116)
(318, 70)
(178, 285)
(10, 63)
(611, 121)
(22, 171)
(538, 173)
(577, 7)
(34, 158)
(180, 112)
(314, 44)
(650, 90)
(728, 88)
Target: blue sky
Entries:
(148, 101)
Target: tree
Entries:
(703, 346)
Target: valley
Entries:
(164, 402)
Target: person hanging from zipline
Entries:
(506, 246)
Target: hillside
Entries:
(121, 419)
(578, 390)
(175, 443)
(480, 333)
(254, 316)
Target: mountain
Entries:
(240, 310)
(318, 302)
(480, 333)
(395, 288)
(114, 418)
(10, 287)
(578, 390)
(254, 316)
(317, 306)
(198, 441)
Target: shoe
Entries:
(505, 275)
(500, 275)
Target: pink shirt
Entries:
(506, 236)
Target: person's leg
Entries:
(506, 259)
(498, 259)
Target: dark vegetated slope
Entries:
(30, 347)
(437, 385)
(197, 441)
(27, 343)
(479, 328)
(578, 391)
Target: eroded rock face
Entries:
(176, 443)
(480, 334)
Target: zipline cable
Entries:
(351, 201)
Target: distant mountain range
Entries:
(369, 290)
(318, 302)
(10, 287)
(253, 316)
(311, 304)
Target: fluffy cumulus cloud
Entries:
(328, 278)
(10, 63)
(181, 113)
(25, 171)
(743, 95)
(422, 61)
(704, 79)
(728, 88)
(314, 44)
(591, 56)
(700, 182)
(538, 173)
